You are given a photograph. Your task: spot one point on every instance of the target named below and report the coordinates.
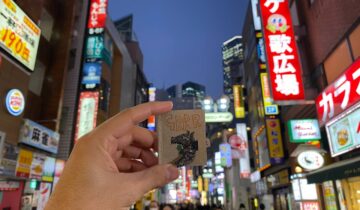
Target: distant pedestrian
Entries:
(168, 207)
(242, 207)
(262, 206)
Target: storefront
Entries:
(339, 112)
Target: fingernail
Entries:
(172, 172)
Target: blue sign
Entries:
(271, 110)
(91, 74)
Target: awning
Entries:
(339, 170)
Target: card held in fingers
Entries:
(182, 139)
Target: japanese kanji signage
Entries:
(276, 150)
(19, 35)
(94, 47)
(340, 95)
(91, 75)
(269, 106)
(97, 16)
(344, 132)
(39, 136)
(282, 56)
(87, 113)
(24, 163)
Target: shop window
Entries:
(37, 78)
(46, 24)
(355, 42)
(337, 62)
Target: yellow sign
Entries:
(206, 184)
(19, 36)
(276, 150)
(238, 101)
(200, 184)
(24, 163)
(270, 108)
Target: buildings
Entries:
(329, 56)
(33, 83)
(233, 55)
(186, 96)
(71, 75)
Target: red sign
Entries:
(97, 16)
(340, 95)
(282, 56)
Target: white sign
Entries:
(304, 130)
(256, 16)
(217, 117)
(15, 102)
(310, 160)
(244, 159)
(255, 176)
(39, 136)
(19, 34)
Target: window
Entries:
(37, 78)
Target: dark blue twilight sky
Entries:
(181, 39)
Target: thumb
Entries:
(154, 177)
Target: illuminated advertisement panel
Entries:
(276, 150)
(87, 113)
(243, 148)
(304, 130)
(340, 95)
(344, 132)
(282, 55)
(270, 108)
(19, 35)
(238, 102)
(98, 13)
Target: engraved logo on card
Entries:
(187, 146)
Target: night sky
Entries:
(181, 39)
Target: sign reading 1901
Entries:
(19, 35)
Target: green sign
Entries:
(94, 46)
(304, 130)
(218, 117)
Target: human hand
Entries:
(114, 165)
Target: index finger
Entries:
(124, 121)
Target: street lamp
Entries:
(223, 103)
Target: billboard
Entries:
(282, 55)
(238, 101)
(344, 132)
(225, 155)
(87, 113)
(217, 117)
(23, 165)
(19, 35)
(97, 14)
(39, 136)
(276, 150)
(244, 159)
(269, 106)
(91, 75)
(304, 130)
(340, 95)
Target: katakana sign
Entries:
(282, 56)
(340, 95)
